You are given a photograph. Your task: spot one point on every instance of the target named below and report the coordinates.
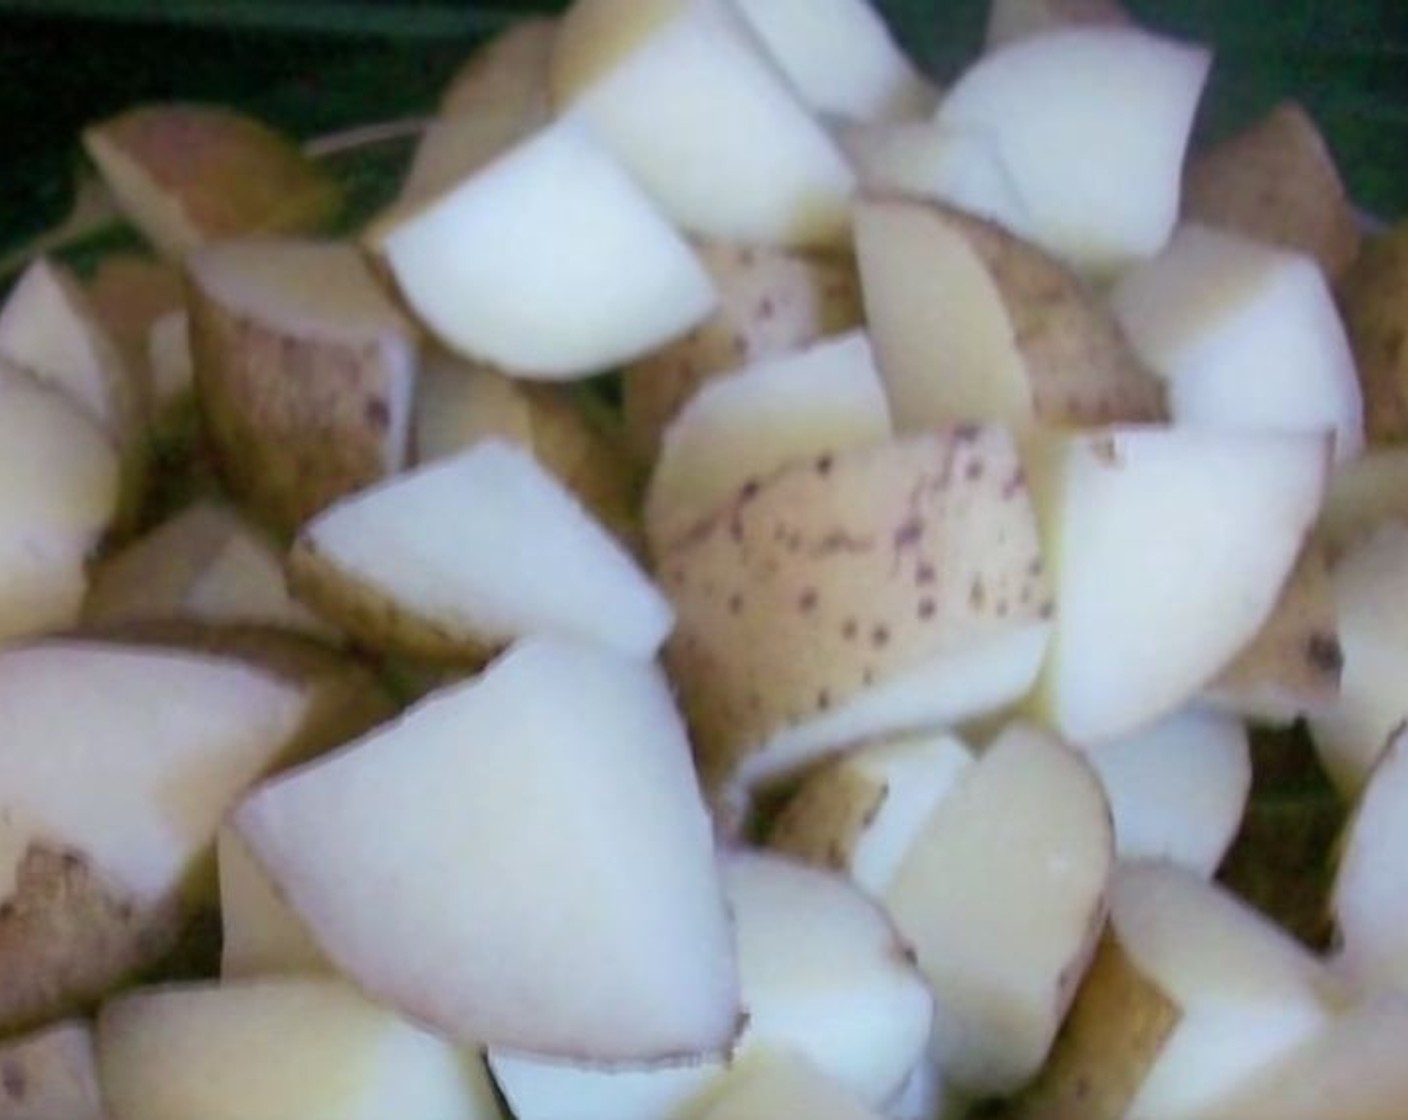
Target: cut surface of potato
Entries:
(1003, 897)
(305, 373)
(586, 920)
(860, 813)
(1092, 124)
(573, 270)
(1184, 533)
(841, 57)
(51, 1075)
(1276, 181)
(260, 934)
(1371, 601)
(772, 302)
(464, 555)
(536, 1089)
(1177, 789)
(1010, 20)
(972, 324)
(280, 1050)
(1246, 335)
(187, 175)
(750, 424)
(1374, 296)
(129, 293)
(782, 1084)
(870, 593)
(671, 86)
(846, 996)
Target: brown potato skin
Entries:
(823, 821)
(1374, 299)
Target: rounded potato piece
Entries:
(1374, 298)
(1276, 181)
(512, 66)
(771, 302)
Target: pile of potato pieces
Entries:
(852, 726)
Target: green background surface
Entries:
(318, 65)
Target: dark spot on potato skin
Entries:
(823, 701)
(850, 630)
(880, 636)
(924, 575)
(975, 470)
(378, 414)
(977, 594)
(825, 464)
(927, 609)
(1325, 655)
(13, 1080)
(910, 533)
(807, 601)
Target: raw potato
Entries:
(1092, 124)
(860, 814)
(51, 1075)
(557, 225)
(782, 1084)
(772, 302)
(60, 488)
(1276, 181)
(261, 935)
(206, 564)
(454, 560)
(287, 1049)
(538, 1089)
(1187, 533)
(1246, 335)
(972, 324)
(841, 57)
(1371, 600)
(1371, 490)
(597, 930)
(750, 424)
(1293, 667)
(1374, 297)
(130, 293)
(672, 86)
(143, 753)
(189, 175)
(1002, 895)
(1010, 20)
(305, 373)
(511, 67)
(845, 994)
(860, 595)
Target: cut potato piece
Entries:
(672, 86)
(772, 302)
(1276, 182)
(1003, 897)
(1246, 335)
(460, 404)
(171, 370)
(782, 1083)
(1374, 296)
(860, 595)
(1371, 600)
(511, 67)
(51, 1075)
(750, 424)
(204, 564)
(572, 270)
(1010, 20)
(587, 920)
(861, 813)
(1362, 494)
(1369, 893)
(188, 175)
(846, 995)
(923, 1097)
(261, 935)
(1092, 124)
(1293, 667)
(117, 765)
(536, 1089)
(1186, 533)
(972, 324)
(280, 1050)
(305, 373)
(841, 57)
(129, 293)
(1177, 789)
(458, 558)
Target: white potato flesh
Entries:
(844, 994)
(1092, 124)
(538, 1089)
(673, 86)
(841, 57)
(51, 1074)
(260, 934)
(556, 792)
(1246, 335)
(280, 1050)
(169, 361)
(488, 543)
(1002, 896)
(460, 403)
(1370, 898)
(245, 583)
(131, 756)
(782, 1084)
(747, 425)
(1371, 600)
(1177, 788)
(550, 262)
(1185, 534)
